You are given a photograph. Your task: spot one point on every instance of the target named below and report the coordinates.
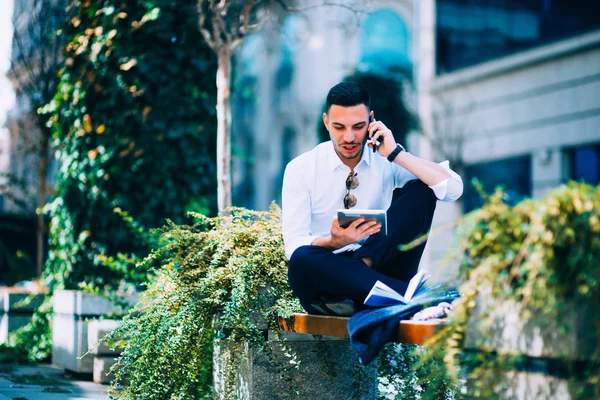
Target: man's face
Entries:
(347, 128)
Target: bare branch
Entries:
(449, 133)
(201, 22)
(343, 5)
(245, 27)
(245, 16)
(217, 25)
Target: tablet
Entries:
(345, 217)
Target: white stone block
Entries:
(102, 366)
(10, 323)
(9, 302)
(72, 310)
(528, 385)
(75, 302)
(96, 331)
(69, 342)
(520, 385)
(16, 310)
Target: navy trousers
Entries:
(315, 272)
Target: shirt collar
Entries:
(335, 161)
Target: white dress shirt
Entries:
(314, 186)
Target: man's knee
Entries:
(415, 188)
(300, 255)
(302, 258)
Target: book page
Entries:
(415, 284)
(382, 295)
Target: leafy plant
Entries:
(133, 123)
(221, 278)
(32, 342)
(541, 257)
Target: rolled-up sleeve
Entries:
(447, 190)
(295, 212)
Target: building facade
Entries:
(511, 91)
(35, 54)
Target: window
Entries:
(473, 31)
(585, 163)
(384, 43)
(513, 174)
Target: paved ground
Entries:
(46, 382)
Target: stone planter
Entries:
(73, 310)
(548, 348)
(328, 370)
(12, 315)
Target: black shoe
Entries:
(336, 308)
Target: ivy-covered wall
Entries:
(134, 124)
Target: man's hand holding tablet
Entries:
(345, 217)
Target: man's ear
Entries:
(326, 120)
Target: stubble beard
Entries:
(351, 157)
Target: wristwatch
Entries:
(399, 149)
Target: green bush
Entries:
(32, 342)
(219, 273)
(544, 256)
(134, 123)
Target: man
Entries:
(332, 269)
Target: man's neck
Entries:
(351, 163)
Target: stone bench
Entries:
(329, 367)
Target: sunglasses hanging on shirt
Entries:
(351, 183)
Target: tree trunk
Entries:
(223, 129)
(44, 155)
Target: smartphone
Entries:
(379, 139)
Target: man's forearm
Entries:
(327, 242)
(428, 172)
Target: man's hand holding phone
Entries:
(381, 137)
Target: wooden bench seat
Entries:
(409, 332)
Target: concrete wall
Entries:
(537, 102)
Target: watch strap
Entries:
(395, 153)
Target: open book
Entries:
(383, 295)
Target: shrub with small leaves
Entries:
(219, 277)
(542, 256)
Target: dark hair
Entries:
(348, 94)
